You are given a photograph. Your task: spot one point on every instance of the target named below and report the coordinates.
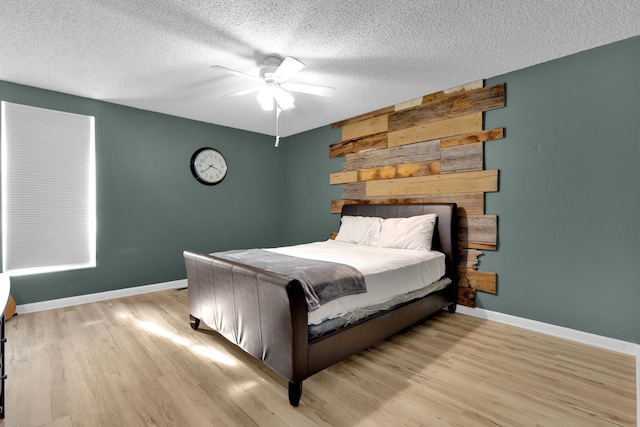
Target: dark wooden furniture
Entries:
(265, 314)
(5, 295)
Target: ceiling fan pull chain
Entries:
(278, 110)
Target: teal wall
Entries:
(150, 208)
(307, 210)
(569, 199)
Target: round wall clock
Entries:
(208, 166)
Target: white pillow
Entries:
(362, 230)
(414, 232)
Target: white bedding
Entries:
(387, 272)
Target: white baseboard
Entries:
(100, 296)
(556, 331)
(612, 344)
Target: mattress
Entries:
(388, 273)
(353, 317)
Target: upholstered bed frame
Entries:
(265, 314)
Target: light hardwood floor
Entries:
(135, 361)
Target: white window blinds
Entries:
(48, 190)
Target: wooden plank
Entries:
(482, 281)
(418, 169)
(420, 152)
(366, 127)
(462, 158)
(408, 104)
(354, 145)
(336, 205)
(472, 245)
(333, 235)
(479, 280)
(366, 116)
(343, 177)
(399, 171)
(471, 138)
(443, 128)
(450, 91)
(463, 282)
(464, 182)
(454, 105)
(468, 203)
(478, 231)
(467, 296)
(356, 190)
(427, 98)
(465, 87)
(468, 258)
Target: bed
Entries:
(267, 314)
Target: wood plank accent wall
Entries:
(428, 150)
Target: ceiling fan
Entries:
(274, 87)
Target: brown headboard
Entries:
(444, 237)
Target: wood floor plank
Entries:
(135, 361)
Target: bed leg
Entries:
(195, 322)
(295, 391)
(452, 307)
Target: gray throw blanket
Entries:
(322, 281)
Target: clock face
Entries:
(208, 166)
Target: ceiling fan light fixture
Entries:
(265, 98)
(283, 98)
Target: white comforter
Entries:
(387, 272)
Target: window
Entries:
(48, 190)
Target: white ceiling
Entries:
(156, 55)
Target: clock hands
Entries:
(210, 166)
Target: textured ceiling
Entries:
(156, 55)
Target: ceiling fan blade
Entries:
(286, 107)
(310, 89)
(237, 73)
(289, 68)
(243, 92)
